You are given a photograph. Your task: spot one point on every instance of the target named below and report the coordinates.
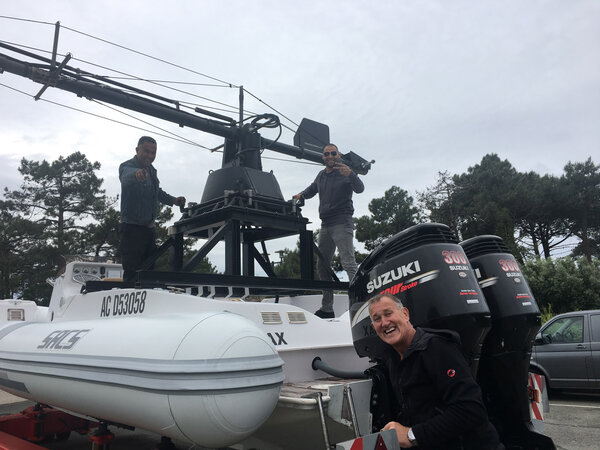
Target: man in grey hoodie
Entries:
(335, 185)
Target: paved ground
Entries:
(573, 423)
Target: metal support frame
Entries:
(262, 261)
(256, 285)
(55, 44)
(205, 249)
(249, 253)
(227, 224)
(176, 252)
(52, 77)
(307, 259)
(149, 262)
(232, 217)
(102, 437)
(323, 421)
(233, 240)
(348, 394)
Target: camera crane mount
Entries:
(241, 204)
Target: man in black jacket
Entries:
(335, 185)
(440, 403)
(140, 195)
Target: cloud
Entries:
(420, 87)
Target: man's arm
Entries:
(401, 433)
(167, 199)
(128, 174)
(460, 396)
(355, 182)
(309, 192)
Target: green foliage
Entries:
(336, 262)
(547, 313)
(204, 266)
(437, 204)
(390, 214)
(582, 210)
(564, 284)
(289, 266)
(60, 209)
(53, 214)
(61, 194)
(480, 201)
(593, 245)
(539, 206)
(485, 201)
(20, 251)
(102, 238)
(533, 214)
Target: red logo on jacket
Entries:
(451, 373)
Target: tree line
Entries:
(62, 209)
(59, 210)
(534, 214)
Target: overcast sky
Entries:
(419, 86)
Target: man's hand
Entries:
(343, 169)
(180, 201)
(141, 174)
(401, 432)
(297, 197)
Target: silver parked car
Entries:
(567, 351)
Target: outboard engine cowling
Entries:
(425, 267)
(504, 364)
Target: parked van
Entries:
(567, 351)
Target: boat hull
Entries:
(210, 378)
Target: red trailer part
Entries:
(9, 442)
(41, 423)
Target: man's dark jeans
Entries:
(137, 243)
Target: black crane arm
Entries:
(79, 83)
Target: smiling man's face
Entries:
(391, 323)
(331, 156)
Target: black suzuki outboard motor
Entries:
(504, 364)
(425, 267)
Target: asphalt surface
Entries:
(573, 423)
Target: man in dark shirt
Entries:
(140, 194)
(335, 185)
(440, 403)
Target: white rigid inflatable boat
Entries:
(195, 369)
(175, 364)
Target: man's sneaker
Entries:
(325, 314)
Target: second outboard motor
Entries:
(425, 267)
(504, 364)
